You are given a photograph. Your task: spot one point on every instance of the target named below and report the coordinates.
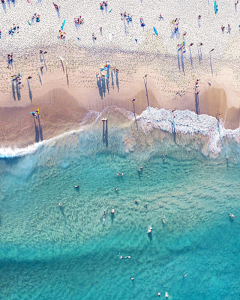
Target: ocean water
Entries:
(68, 252)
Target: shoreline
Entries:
(163, 130)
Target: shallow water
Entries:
(48, 252)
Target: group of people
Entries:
(126, 17)
(35, 114)
(10, 60)
(78, 20)
(3, 1)
(228, 28)
(35, 17)
(103, 4)
(17, 78)
(142, 22)
(13, 29)
(62, 35)
(175, 24)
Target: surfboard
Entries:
(155, 30)
(63, 24)
(215, 7)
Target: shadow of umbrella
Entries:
(29, 89)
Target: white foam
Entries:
(188, 122)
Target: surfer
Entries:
(163, 219)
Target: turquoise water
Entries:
(48, 252)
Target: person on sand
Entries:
(222, 27)
(56, 6)
(94, 37)
(229, 29)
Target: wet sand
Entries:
(71, 89)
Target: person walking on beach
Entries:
(229, 29)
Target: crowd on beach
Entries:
(181, 47)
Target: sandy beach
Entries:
(66, 90)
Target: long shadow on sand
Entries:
(29, 90)
(36, 131)
(117, 82)
(197, 104)
(18, 91)
(13, 91)
(40, 128)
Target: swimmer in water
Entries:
(121, 257)
(146, 205)
(159, 294)
(128, 256)
(132, 278)
(59, 204)
(149, 230)
(136, 201)
(166, 295)
(76, 186)
(232, 216)
(116, 189)
(113, 211)
(117, 174)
